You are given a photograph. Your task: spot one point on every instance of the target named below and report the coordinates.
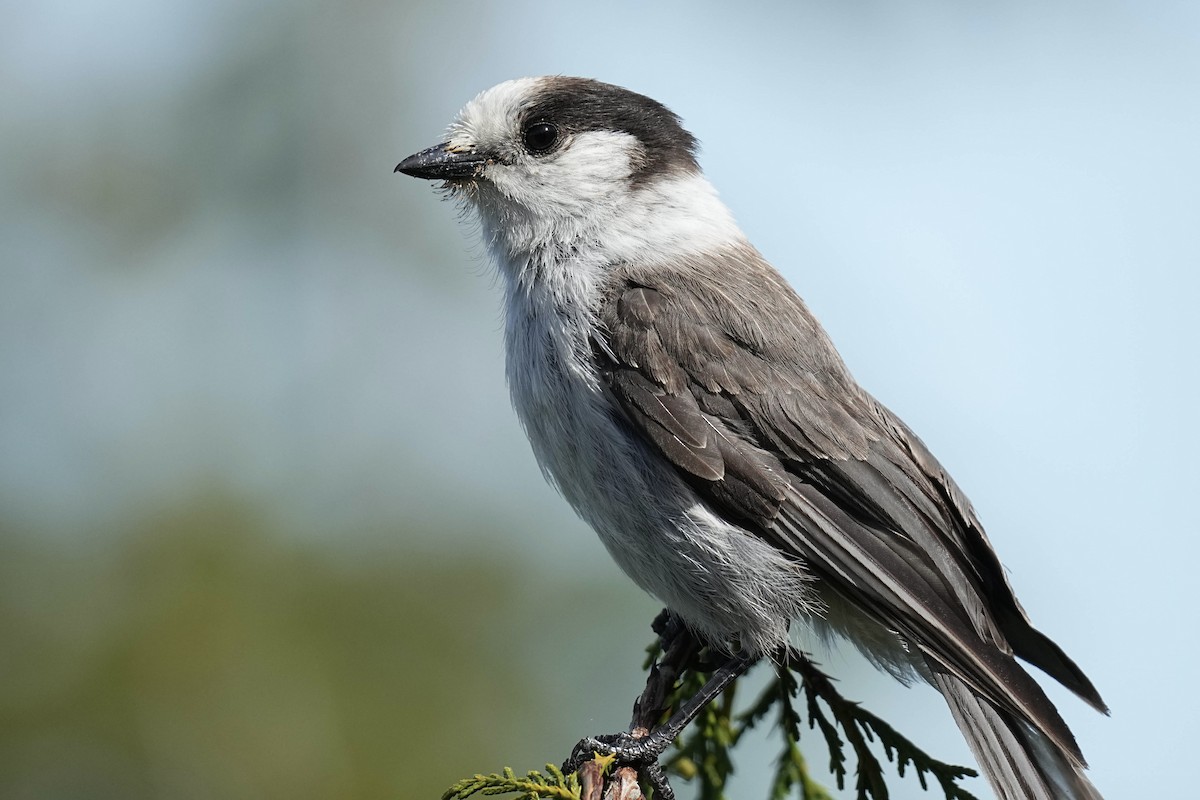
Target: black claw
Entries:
(585, 751)
(657, 778)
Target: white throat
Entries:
(566, 257)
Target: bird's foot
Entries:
(627, 750)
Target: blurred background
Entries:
(268, 526)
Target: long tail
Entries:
(1019, 761)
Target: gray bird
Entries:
(689, 406)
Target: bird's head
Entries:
(557, 159)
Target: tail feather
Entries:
(1031, 645)
(1020, 762)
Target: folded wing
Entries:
(735, 383)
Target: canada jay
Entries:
(688, 405)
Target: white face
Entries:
(570, 171)
(585, 174)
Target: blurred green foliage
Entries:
(203, 654)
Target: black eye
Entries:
(540, 137)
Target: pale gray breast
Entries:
(566, 412)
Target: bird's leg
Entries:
(677, 648)
(644, 743)
(644, 751)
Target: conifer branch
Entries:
(677, 667)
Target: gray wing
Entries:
(733, 380)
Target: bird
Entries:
(685, 401)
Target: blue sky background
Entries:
(212, 281)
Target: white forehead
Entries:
(494, 113)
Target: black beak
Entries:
(441, 163)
